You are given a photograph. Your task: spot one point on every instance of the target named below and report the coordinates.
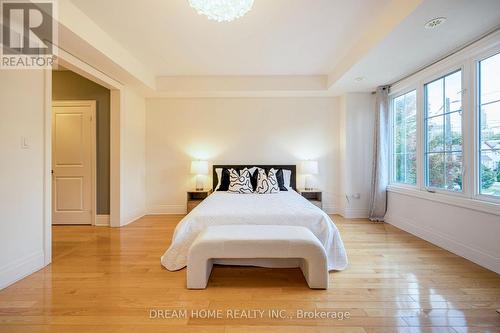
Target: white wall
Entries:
(21, 174)
(132, 148)
(237, 130)
(356, 153)
(23, 96)
(469, 233)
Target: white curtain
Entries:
(380, 171)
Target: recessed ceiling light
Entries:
(435, 22)
(359, 79)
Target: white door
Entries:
(73, 162)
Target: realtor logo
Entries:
(28, 34)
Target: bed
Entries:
(283, 208)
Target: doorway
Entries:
(73, 162)
(112, 216)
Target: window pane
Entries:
(399, 139)
(399, 108)
(411, 137)
(453, 131)
(435, 98)
(490, 75)
(490, 172)
(453, 165)
(404, 138)
(411, 168)
(411, 104)
(435, 134)
(490, 125)
(399, 165)
(436, 170)
(453, 92)
(489, 149)
(411, 121)
(443, 128)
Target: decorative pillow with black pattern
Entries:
(267, 183)
(222, 179)
(240, 182)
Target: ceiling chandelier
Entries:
(222, 10)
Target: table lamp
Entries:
(199, 168)
(309, 168)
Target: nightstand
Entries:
(195, 197)
(314, 196)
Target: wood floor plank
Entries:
(111, 280)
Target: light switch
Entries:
(25, 143)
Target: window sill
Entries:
(477, 205)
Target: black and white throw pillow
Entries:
(240, 182)
(267, 183)
(223, 182)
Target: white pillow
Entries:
(240, 182)
(267, 183)
(218, 172)
(287, 175)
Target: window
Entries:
(434, 145)
(405, 138)
(489, 125)
(443, 132)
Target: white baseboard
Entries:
(330, 209)
(21, 268)
(473, 254)
(134, 218)
(353, 213)
(102, 221)
(166, 209)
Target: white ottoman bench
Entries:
(257, 241)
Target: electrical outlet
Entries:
(356, 196)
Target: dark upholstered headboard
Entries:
(293, 168)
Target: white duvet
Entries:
(283, 208)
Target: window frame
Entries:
(392, 97)
(477, 124)
(466, 59)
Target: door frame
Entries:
(84, 69)
(93, 151)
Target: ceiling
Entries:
(410, 46)
(336, 41)
(277, 37)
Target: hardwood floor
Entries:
(111, 280)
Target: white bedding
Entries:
(283, 208)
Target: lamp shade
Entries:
(310, 167)
(199, 167)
